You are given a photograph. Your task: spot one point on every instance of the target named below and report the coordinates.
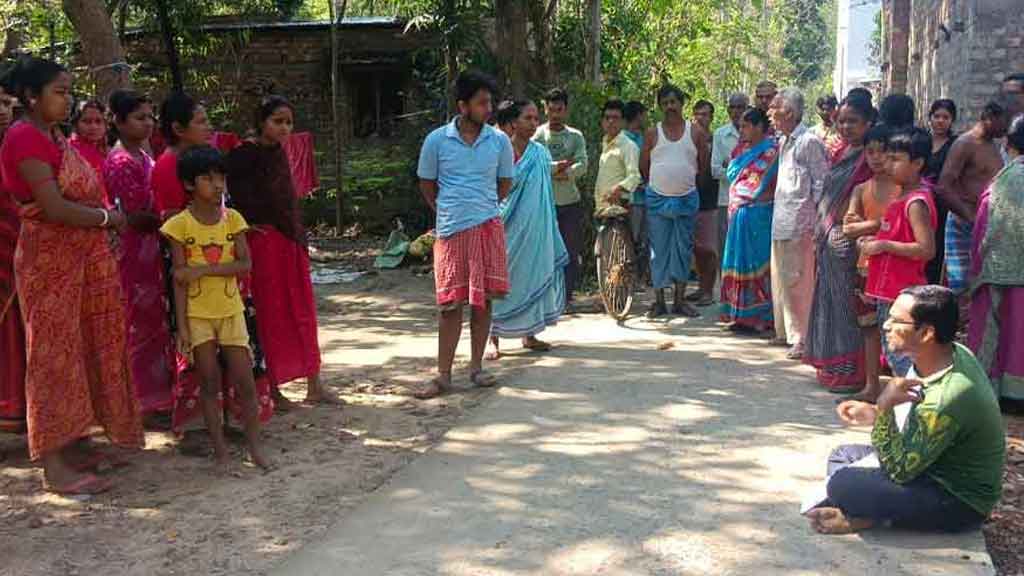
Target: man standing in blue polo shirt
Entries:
(465, 167)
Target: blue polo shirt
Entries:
(467, 175)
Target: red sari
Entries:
(262, 189)
(12, 331)
(70, 296)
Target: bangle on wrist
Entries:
(106, 218)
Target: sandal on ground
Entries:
(538, 346)
(432, 389)
(483, 379)
(95, 460)
(657, 310)
(706, 301)
(695, 296)
(685, 310)
(86, 485)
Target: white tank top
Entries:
(674, 163)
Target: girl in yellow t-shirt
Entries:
(209, 252)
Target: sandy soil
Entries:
(171, 514)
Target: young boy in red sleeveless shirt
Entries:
(905, 242)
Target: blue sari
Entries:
(536, 254)
(746, 274)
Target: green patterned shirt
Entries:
(954, 435)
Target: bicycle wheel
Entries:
(615, 270)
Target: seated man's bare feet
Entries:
(833, 521)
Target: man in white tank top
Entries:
(675, 153)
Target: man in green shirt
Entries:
(938, 445)
(568, 150)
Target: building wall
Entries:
(959, 49)
(243, 65)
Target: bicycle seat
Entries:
(612, 213)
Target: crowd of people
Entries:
(133, 287)
(823, 238)
(130, 287)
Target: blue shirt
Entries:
(641, 190)
(467, 175)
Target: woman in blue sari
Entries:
(746, 275)
(536, 254)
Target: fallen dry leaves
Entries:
(1004, 532)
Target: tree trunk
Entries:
(339, 138)
(167, 31)
(15, 36)
(594, 42)
(542, 14)
(514, 51)
(100, 45)
(451, 56)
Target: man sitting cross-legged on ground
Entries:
(938, 434)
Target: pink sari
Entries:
(150, 348)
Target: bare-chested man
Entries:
(973, 161)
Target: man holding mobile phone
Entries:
(937, 434)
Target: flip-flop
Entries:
(88, 484)
(657, 311)
(705, 302)
(685, 312)
(538, 346)
(483, 379)
(695, 296)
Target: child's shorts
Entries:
(229, 331)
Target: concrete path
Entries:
(617, 456)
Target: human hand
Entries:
(852, 218)
(183, 341)
(872, 247)
(857, 413)
(900, 391)
(117, 220)
(186, 275)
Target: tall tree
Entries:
(513, 51)
(594, 42)
(100, 45)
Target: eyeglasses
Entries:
(891, 320)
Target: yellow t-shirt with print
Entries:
(210, 296)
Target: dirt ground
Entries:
(170, 514)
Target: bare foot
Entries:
(833, 521)
(259, 458)
(493, 351)
(282, 405)
(434, 388)
(483, 379)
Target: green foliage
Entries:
(808, 34)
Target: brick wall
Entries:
(295, 61)
(959, 49)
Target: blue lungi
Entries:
(670, 223)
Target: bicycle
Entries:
(616, 274)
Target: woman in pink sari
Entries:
(261, 188)
(127, 171)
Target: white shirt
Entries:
(725, 141)
(803, 166)
(674, 163)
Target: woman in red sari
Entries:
(127, 171)
(12, 331)
(183, 124)
(89, 136)
(68, 288)
(261, 188)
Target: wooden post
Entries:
(339, 168)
